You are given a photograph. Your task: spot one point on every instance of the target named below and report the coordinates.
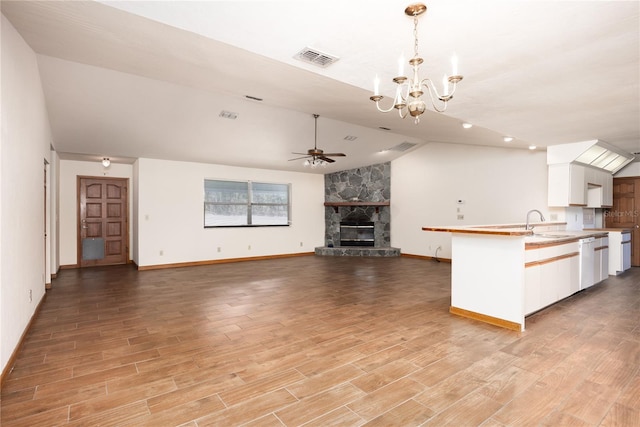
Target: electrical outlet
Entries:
(249, 247)
(460, 217)
(219, 249)
(300, 244)
(161, 252)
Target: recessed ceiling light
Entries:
(507, 139)
(350, 138)
(532, 147)
(467, 125)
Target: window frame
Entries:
(249, 204)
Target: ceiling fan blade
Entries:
(302, 154)
(326, 159)
(299, 158)
(334, 154)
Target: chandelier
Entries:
(408, 99)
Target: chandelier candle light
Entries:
(408, 99)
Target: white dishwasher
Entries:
(587, 258)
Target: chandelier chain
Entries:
(415, 36)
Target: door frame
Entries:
(47, 225)
(635, 229)
(79, 178)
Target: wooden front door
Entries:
(103, 236)
(625, 212)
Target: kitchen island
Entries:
(502, 273)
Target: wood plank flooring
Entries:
(318, 341)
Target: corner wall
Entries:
(496, 186)
(24, 146)
(631, 170)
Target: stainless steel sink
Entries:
(553, 235)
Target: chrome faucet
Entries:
(526, 227)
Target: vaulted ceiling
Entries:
(129, 79)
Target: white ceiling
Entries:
(131, 79)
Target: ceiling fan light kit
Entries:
(315, 157)
(408, 98)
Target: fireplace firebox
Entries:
(357, 233)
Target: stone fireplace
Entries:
(358, 205)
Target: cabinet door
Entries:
(604, 268)
(607, 190)
(577, 185)
(532, 289)
(567, 185)
(597, 263)
(549, 283)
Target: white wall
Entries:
(631, 170)
(69, 172)
(24, 147)
(170, 215)
(497, 186)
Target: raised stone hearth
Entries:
(357, 251)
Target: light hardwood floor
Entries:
(318, 341)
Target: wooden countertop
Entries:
(533, 239)
(607, 230)
(497, 230)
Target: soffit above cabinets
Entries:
(594, 153)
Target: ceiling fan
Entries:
(316, 156)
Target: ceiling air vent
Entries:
(228, 115)
(315, 57)
(404, 146)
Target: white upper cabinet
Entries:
(567, 185)
(576, 185)
(581, 173)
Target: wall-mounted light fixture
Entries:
(106, 162)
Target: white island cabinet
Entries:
(619, 251)
(501, 274)
(551, 273)
(616, 250)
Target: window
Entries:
(245, 203)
